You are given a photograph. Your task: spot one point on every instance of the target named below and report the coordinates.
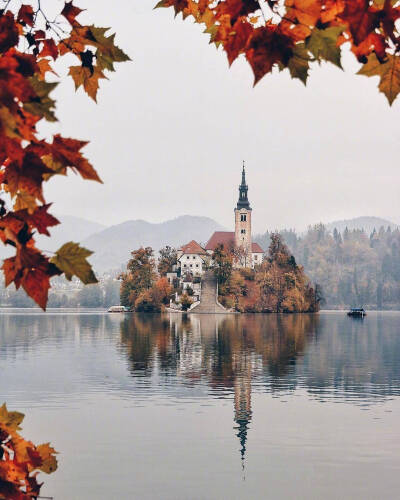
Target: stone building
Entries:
(247, 253)
(193, 258)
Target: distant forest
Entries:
(352, 267)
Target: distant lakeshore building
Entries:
(193, 258)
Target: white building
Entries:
(192, 258)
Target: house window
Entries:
(197, 265)
(194, 257)
(184, 265)
(243, 231)
(188, 257)
(243, 217)
(255, 257)
(191, 265)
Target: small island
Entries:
(230, 273)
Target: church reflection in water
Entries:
(227, 354)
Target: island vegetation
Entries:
(353, 267)
(278, 284)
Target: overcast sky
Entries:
(172, 127)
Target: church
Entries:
(193, 258)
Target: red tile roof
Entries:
(193, 247)
(255, 248)
(225, 238)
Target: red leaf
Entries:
(67, 151)
(70, 12)
(236, 8)
(360, 18)
(41, 219)
(8, 32)
(236, 41)
(267, 47)
(25, 15)
(49, 49)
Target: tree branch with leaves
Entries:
(30, 43)
(294, 34)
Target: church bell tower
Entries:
(243, 225)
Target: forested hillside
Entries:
(354, 268)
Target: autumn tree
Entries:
(163, 290)
(140, 276)
(278, 284)
(30, 42)
(222, 263)
(294, 35)
(166, 260)
(185, 301)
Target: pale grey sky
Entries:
(171, 128)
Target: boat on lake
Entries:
(118, 309)
(358, 312)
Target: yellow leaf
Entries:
(89, 79)
(49, 461)
(71, 259)
(388, 72)
(10, 420)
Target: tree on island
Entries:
(167, 260)
(141, 289)
(222, 259)
(278, 284)
(185, 301)
(139, 277)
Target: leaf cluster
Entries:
(21, 460)
(29, 45)
(293, 34)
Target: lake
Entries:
(208, 406)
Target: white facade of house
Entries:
(192, 263)
(257, 258)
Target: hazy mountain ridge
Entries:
(71, 229)
(368, 223)
(113, 245)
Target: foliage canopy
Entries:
(30, 43)
(21, 460)
(293, 34)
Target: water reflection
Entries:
(206, 390)
(330, 356)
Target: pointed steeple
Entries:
(243, 201)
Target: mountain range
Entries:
(112, 245)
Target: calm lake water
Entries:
(209, 407)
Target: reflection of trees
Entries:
(212, 347)
(224, 352)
